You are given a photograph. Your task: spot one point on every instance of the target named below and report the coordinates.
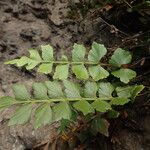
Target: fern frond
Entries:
(55, 101)
(81, 66)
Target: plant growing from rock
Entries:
(99, 90)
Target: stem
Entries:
(75, 63)
(127, 3)
(62, 100)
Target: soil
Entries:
(30, 23)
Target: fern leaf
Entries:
(54, 89)
(78, 53)
(47, 52)
(80, 71)
(120, 57)
(40, 91)
(105, 90)
(97, 52)
(125, 75)
(61, 72)
(84, 107)
(129, 91)
(6, 102)
(20, 92)
(43, 115)
(100, 125)
(97, 72)
(90, 89)
(119, 101)
(45, 68)
(22, 115)
(72, 90)
(101, 106)
(61, 111)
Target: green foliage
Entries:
(20, 92)
(6, 102)
(79, 63)
(90, 89)
(97, 72)
(113, 114)
(61, 110)
(56, 101)
(100, 125)
(22, 115)
(129, 91)
(54, 89)
(125, 75)
(43, 115)
(97, 52)
(105, 90)
(101, 106)
(119, 101)
(120, 57)
(60, 100)
(84, 107)
(80, 72)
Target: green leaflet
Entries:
(97, 72)
(40, 91)
(84, 107)
(113, 114)
(105, 90)
(78, 53)
(125, 75)
(34, 55)
(101, 106)
(90, 89)
(61, 111)
(61, 72)
(19, 62)
(80, 72)
(97, 52)
(6, 101)
(129, 91)
(20, 92)
(120, 57)
(124, 92)
(136, 91)
(54, 89)
(43, 115)
(64, 123)
(72, 90)
(22, 115)
(119, 101)
(35, 59)
(148, 2)
(100, 125)
(45, 68)
(16, 61)
(47, 52)
(30, 63)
